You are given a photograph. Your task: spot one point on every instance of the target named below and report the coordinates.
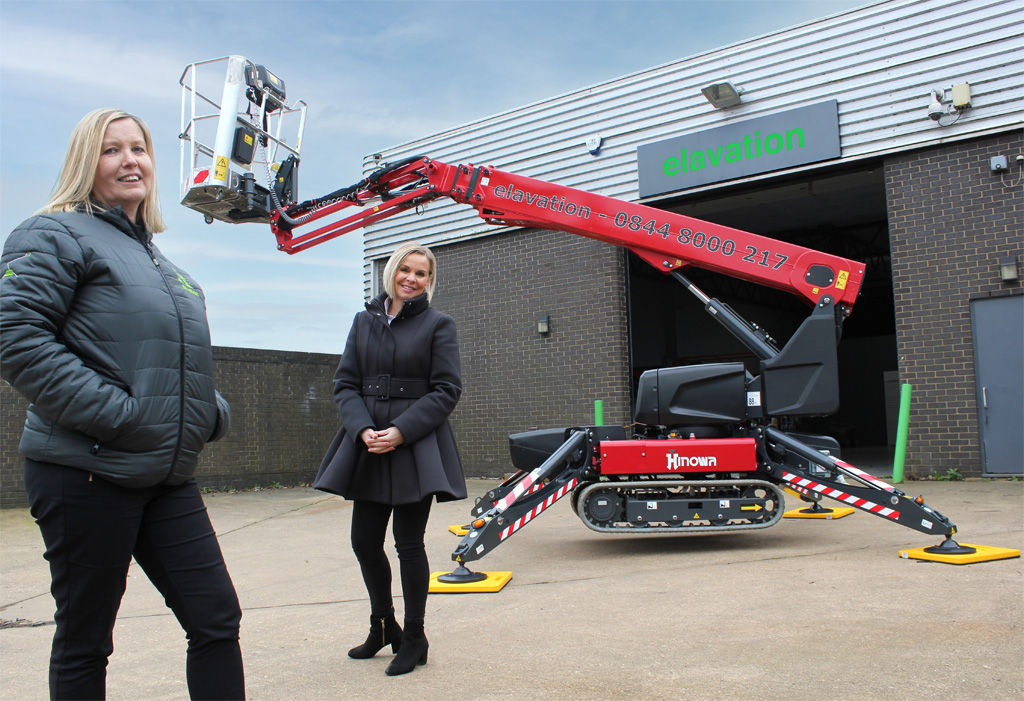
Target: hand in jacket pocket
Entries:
(223, 418)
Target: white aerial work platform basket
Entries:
(240, 141)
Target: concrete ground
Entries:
(807, 609)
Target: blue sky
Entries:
(375, 75)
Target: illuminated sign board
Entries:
(782, 140)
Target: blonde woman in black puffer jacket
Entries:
(109, 342)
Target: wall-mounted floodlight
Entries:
(723, 94)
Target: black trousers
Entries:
(369, 525)
(92, 529)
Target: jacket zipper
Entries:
(181, 361)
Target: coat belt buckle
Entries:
(384, 387)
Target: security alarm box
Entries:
(962, 95)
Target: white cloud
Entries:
(79, 65)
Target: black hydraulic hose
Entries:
(342, 193)
(376, 175)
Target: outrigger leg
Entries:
(555, 478)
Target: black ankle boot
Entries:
(382, 632)
(413, 651)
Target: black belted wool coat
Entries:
(406, 374)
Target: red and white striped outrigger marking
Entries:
(870, 479)
(800, 490)
(525, 518)
(528, 485)
(842, 496)
(531, 490)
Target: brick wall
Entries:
(515, 379)
(950, 219)
(12, 418)
(283, 417)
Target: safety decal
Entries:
(844, 276)
(842, 496)
(221, 171)
(525, 518)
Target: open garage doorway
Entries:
(843, 213)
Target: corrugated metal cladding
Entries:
(879, 61)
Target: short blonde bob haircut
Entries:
(391, 268)
(77, 177)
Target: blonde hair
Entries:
(391, 268)
(77, 177)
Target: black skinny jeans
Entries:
(92, 529)
(369, 525)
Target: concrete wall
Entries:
(283, 417)
(950, 219)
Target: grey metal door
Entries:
(998, 328)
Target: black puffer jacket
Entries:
(110, 343)
(419, 349)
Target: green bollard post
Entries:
(901, 434)
(598, 412)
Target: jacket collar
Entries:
(378, 306)
(116, 216)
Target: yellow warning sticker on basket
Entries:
(221, 171)
(844, 275)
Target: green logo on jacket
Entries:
(185, 284)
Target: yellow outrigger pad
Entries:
(982, 553)
(494, 583)
(459, 530)
(825, 513)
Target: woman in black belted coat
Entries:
(398, 381)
